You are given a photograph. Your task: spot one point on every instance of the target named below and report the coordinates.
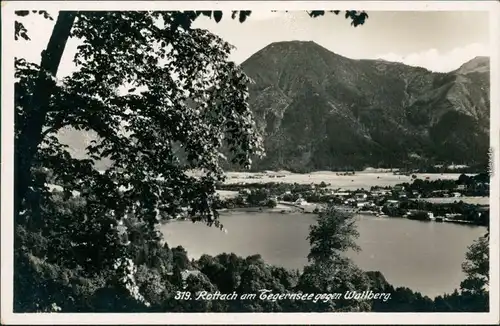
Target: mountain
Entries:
(319, 110)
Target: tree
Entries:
(204, 102)
(337, 275)
(31, 110)
(272, 203)
(121, 27)
(477, 267)
(334, 233)
(129, 125)
(183, 104)
(330, 271)
(258, 197)
(463, 179)
(129, 48)
(180, 257)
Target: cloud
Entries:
(440, 62)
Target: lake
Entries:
(424, 256)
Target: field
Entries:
(351, 182)
(468, 200)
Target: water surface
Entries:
(424, 256)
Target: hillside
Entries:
(319, 110)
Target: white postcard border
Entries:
(7, 150)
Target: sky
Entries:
(439, 41)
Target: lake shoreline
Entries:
(298, 211)
(293, 211)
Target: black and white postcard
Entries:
(265, 162)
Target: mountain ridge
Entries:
(319, 110)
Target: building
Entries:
(415, 214)
(300, 202)
(379, 193)
(245, 192)
(402, 194)
(350, 201)
(392, 203)
(438, 193)
(360, 196)
(398, 188)
(360, 204)
(365, 204)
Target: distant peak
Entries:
(478, 60)
(296, 45)
(293, 43)
(477, 64)
(481, 57)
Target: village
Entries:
(464, 201)
(458, 201)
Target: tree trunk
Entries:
(30, 134)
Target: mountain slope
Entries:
(319, 110)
